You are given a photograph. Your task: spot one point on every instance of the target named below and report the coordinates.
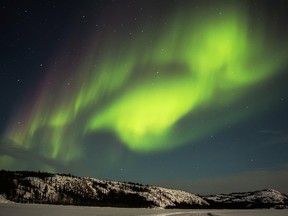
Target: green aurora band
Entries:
(141, 93)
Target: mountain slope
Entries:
(258, 199)
(4, 200)
(46, 188)
(36, 187)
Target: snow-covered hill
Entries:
(258, 199)
(35, 187)
(4, 200)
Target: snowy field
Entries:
(45, 210)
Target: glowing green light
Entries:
(141, 93)
(216, 54)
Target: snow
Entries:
(47, 210)
(68, 190)
(4, 200)
(168, 197)
(263, 196)
(49, 190)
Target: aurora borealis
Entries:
(137, 82)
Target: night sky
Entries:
(191, 95)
